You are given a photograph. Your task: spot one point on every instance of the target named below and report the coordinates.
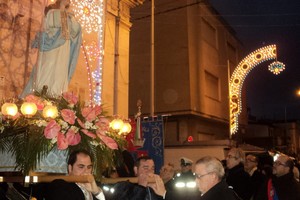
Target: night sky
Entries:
(259, 23)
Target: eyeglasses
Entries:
(198, 176)
(278, 163)
(231, 156)
(249, 160)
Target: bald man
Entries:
(282, 185)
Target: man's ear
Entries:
(69, 169)
(135, 170)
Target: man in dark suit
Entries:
(209, 174)
(144, 169)
(167, 174)
(237, 177)
(79, 163)
(210, 180)
(257, 178)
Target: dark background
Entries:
(259, 23)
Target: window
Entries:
(209, 33)
(212, 86)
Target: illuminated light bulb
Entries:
(88, 14)
(191, 184)
(239, 75)
(28, 109)
(190, 139)
(88, 70)
(86, 10)
(9, 109)
(116, 124)
(50, 112)
(180, 185)
(27, 179)
(126, 128)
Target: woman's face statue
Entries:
(65, 3)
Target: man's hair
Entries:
(73, 156)
(212, 164)
(142, 158)
(289, 163)
(169, 165)
(256, 159)
(239, 154)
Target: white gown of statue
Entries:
(59, 45)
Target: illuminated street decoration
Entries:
(88, 69)
(92, 51)
(89, 14)
(237, 79)
(276, 67)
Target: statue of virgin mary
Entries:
(58, 43)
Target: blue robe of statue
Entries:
(59, 44)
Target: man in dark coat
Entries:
(210, 181)
(282, 185)
(144, 169)
(257, 178)
(209, 177)
(79, 163)
(167, 175)
(236, 176)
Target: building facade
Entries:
(194, 50)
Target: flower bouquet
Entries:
(75, 126)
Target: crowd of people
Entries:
(238, 177)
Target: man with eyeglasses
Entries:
(257, 178)
(236, 176)
(209, 173)
(282, 185)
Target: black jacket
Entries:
(62, 190)
(286, 187)
(239, 179)
(130, 191)
(257, 180)
(220, 191)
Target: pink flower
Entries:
(88, 133)
(109, 142)
(68, 115)
(70, 97)
(103, 123)
(51, 130)
(80, 123)
(62, 142)
(100, 132)
(89, 114)
(34, 99)
(73, 138)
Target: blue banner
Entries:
(152, 130)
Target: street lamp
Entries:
(298, 92)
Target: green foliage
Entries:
(25, 138)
